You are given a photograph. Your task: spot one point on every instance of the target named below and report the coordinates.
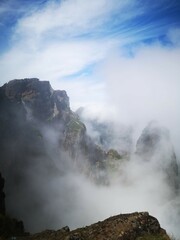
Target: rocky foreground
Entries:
(132, 226)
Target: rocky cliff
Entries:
(25, 103)
(139, 226)
(41, 138)
(37, 97)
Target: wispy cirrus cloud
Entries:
(56, 39)
(71, 18)
(51, 42)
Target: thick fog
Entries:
(54, 190)
(139, 89)
(135, 89)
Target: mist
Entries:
(145, 87)
(53, 190)
(138, 89)
(49, 189)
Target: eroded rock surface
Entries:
(121, 227)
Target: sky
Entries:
(120, 55)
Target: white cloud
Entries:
(43, 43)
(84, 92)
(35, 50)
(54, 62)
(150, 78)
(145, 87)
(174, 36)
(69, 17)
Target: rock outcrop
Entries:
(25, 103)
(154, 145)
(121, 227)
(10, 227)
(40, 136)
(38, 97)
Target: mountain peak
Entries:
(151, 139)
(37, 97)
(15, 89)
(155, 146)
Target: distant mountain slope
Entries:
(154, 145)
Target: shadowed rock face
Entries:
(26, 102)
(8, 226)
(39, 136)
(121, 227)
(2, 196)
(152, 139)
(155, 145)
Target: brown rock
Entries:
(121, 227)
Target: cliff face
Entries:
(39, 100)
(41, 138)
(25, 103)
(121, 227)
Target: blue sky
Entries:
(123, 25)
(135, 19)
(74, 43)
